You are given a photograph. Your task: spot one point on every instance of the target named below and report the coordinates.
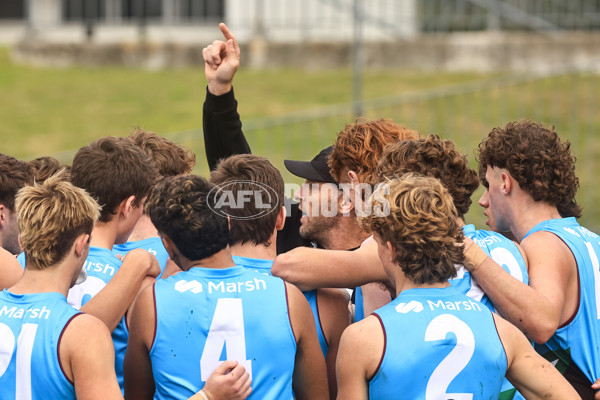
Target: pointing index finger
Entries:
(227, 33)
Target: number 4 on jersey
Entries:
(227, 328)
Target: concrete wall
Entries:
(456, 52)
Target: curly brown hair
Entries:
(537, 159)
(180, 207)
(432, 156)
(421, 226)
(170, 158)
(359, 146)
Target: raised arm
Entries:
(310, 268)
(531, 374)
(223, 135)
(548, 301)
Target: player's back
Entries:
(438, 344)
(204, 316)
(31, 326)
(264, 266)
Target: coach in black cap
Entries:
(315, 170)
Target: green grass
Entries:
(50, 110)
(54, 111)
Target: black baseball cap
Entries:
(316, 169)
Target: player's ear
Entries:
(345, 203)
(280, 222)
(353, 176)
(391, 251)
(80, 244)
(126, 206)
(507, 182)
(169, 246)
(3, 216)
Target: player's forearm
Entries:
(223, 135)
(311, 269)
(517, 302)
(111, 303)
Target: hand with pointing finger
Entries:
(221, 61)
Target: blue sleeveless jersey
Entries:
(500, 249)
(205, 316)
(264, 266)
(153, 245)
(452, 349)
(579, 340)
(359, 306)
(504, 252)
(30, 329)
(101, 265)
(21, 259)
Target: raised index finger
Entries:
(227, 33)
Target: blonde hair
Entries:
(51, 215)
(421, 225)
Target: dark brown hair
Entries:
(47, 166)
(111, 169)
(422, 227)
(359, 146)
(14, 174)
(243, 172)
(537, 159)
(434, 157)
(170, 158)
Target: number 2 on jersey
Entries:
(226, 329)
(454, 362)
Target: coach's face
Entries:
(319, 206)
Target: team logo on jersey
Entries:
(243, 200)
(413, 306)
(184, 286)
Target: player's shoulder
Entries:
(334, 297)
(84, 332)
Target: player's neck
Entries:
(219, 260)
(144, 229)
(51, 279)
(344, 236)
(251, 250)
(530, 213)
(104, 234)
(403, 284)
